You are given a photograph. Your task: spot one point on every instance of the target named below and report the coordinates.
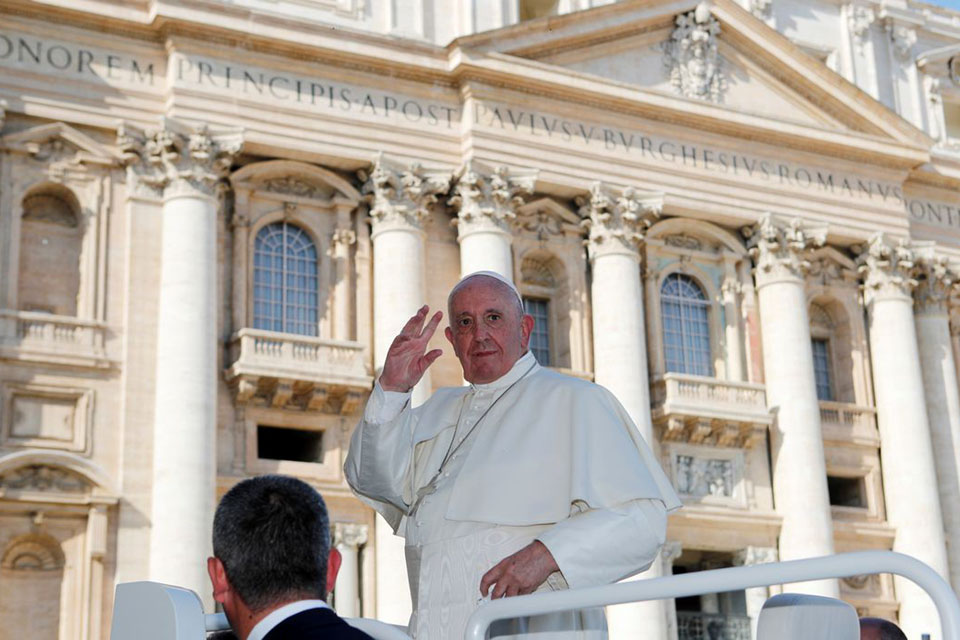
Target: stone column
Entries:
(185, 166)
(487, 199)
(344, 237)
(732, 329)
(400, 199)
(904, 77)
(906, 452)
(669, 552)
(616, 223)
(348, 538)
(937, 364)
(799, 469)
(755, 596)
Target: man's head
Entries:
(880, 629)
(271, 546)
(488, 329)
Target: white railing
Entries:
(32, 328)
(734, 578)
(285, 355)
(847, 415)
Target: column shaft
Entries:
(943, 404)
(186, 392)
(486, 251)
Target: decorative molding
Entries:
(780, 249)
(761, 8)
(698, 477)
(177, 159)
(936, 280)
(344, 237)
(293, 186)
(487, 197)
(33, 552)
(751, 555)
(537, 272)
(349, 534)
(60, 149)
(888, 268)
(902, 39)
(859, 20)
(617, 223)
(400, 196)
(825, 271)
(691, 57)
(683, 241)
(542, 223)
(39, 477)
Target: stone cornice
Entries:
(781, 249)
(400, 196)
(888, 268)
(177, 159)
(616, 222)
(487, 197)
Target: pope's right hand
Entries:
(407, 357)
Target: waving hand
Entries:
(407, 357)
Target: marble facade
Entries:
(793, 166)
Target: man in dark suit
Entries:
(272, 563)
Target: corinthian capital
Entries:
(3, 112)
(487, 197)
(749, 556)
(616, 222)
(781, 249)
(349, 534)
(400, 196)
(888, 268)
(936, 280)
(177, 159)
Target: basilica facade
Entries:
(741, 217)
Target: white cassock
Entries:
(479, 472)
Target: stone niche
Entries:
(45, 416)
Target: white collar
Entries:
(277, 616)
(524, 363)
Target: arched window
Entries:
(821, 331)
(686, 326)
(285, 282)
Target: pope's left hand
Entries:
(520, 573)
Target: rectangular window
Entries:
(281, 443)
(847, 492)
(821, 368)
(540, 338)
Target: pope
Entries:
(526, 480)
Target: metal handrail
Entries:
(840, 565)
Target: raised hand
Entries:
(406, 359)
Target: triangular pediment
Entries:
(58, 142)
(713, 58)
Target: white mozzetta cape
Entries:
(550, 441)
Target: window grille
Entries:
(686, 326)
(285, 281)
(540, 338)
(821, 368)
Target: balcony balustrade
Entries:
(844, 422)
(51, 339)
(305, 372)
(688, 408)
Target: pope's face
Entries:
(487, 330)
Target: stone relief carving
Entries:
(401, 195)
(902, 38)
(824, 270)
(33, 552)
(755, 555)
(781, 249)
(617, 223)
(293, 186)
(859, 21)
(542, 223)
(343, 236)
(537, 272)
(487, 198)
(683, 241)
(691, 56)
(176, 158)
(43, 478)
(888, 268)
(700, 477)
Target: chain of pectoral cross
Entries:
(431, 487)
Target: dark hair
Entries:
(887, 629)
(272, 534)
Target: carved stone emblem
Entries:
(691, 57)
(537, 272)
(290, 185)
(542, 223)
(902, 38)
(860, 18)
(683, 241)
(43, 478)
